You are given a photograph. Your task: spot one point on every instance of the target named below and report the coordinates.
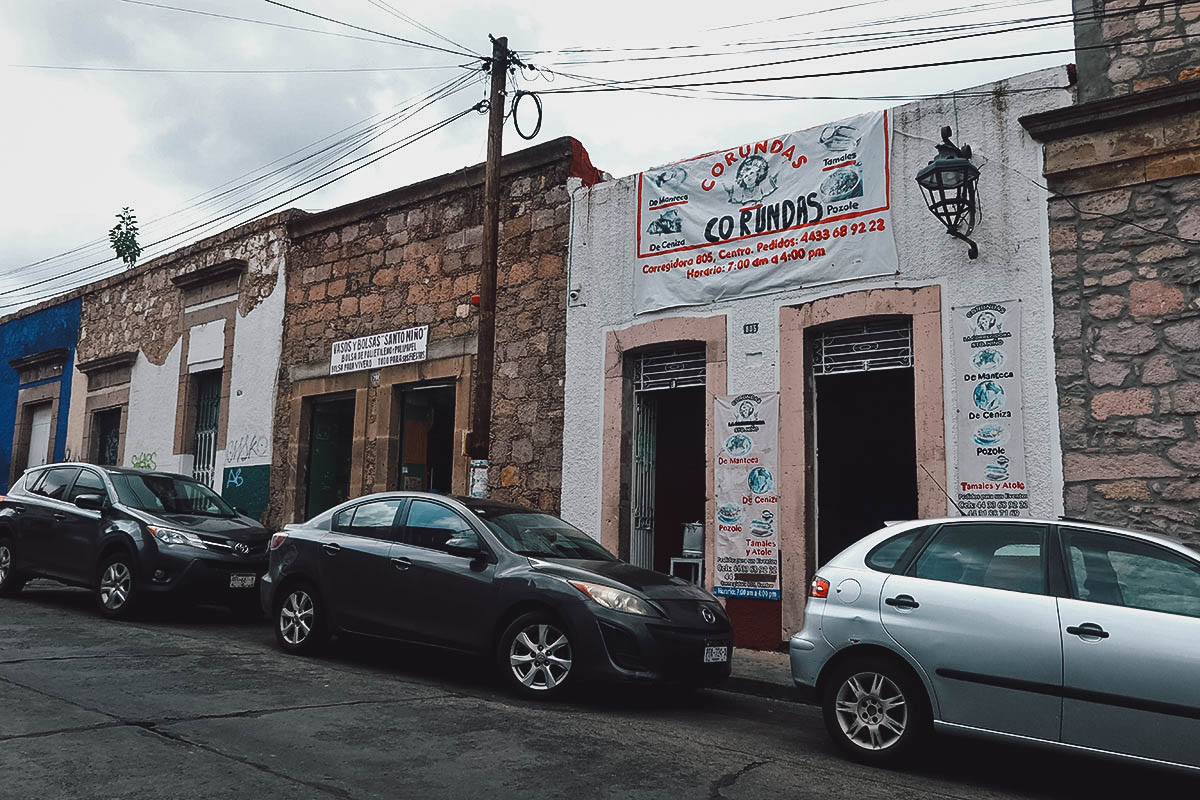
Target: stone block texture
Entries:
(414, 259)
(1149, 48)
(1129, 312)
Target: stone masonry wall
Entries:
(141, 309)
(417, 263)
(1145, 57)
(1127, 332)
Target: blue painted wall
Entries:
(50, 328)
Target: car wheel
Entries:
(116, 587)
(11, 581)
(300, 619)
(535, 656)
(875, 710)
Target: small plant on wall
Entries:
(123, 237)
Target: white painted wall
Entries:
(257, 341)
(150, 421)
(1013, 263)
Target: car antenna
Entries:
(939, 485)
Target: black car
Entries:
(129, 534)
(543, 599)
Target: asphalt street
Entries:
(192, 703)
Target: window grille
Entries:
(670, 369)
(863, 346)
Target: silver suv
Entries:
(1063, 633)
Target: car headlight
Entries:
(172, 536)
(616, 599)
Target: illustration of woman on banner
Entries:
(752, 183)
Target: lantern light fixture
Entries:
(950, 183)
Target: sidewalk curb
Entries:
(757, 688)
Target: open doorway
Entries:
(669, 464)
(865, 452)
(330, 443)
(426, 437)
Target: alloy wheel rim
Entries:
(871, 710)
(296, 617)
(540, 657)
(5, 563)
(115, 586)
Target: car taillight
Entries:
(279, 539)
(820, 588)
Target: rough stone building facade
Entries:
(172, 357)
(1124, 166)
(411, 258)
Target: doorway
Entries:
(426, 437)
(865, 451)
(330, 443)
(668, 458)
(39, 419)
(106, 436)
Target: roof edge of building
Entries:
(564, 148)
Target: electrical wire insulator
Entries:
(517, 121)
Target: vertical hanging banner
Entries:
(745, 479)
(787, 211)
(991, 425)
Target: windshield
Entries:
(530, 533)
(167, 494)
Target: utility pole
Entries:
(479, 440)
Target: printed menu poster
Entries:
(746, 480)
(991, 428)
(782, 212)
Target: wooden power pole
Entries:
(479, 440)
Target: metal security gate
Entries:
(677, 368)
(208, 415)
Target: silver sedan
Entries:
(1062, 633)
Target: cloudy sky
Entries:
(190, 118)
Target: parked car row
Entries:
(1065, 633)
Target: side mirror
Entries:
(465, 547)
(91, 502)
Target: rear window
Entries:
(56, 482)
(886, 557)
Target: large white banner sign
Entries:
(379, 350)
(746, 481)
(991, 426)
(805, 208)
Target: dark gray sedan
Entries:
(543, 599)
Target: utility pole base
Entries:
(478, 480)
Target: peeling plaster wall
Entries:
(253, 388)
(1013, 264)
(151, 419)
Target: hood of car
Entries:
(237, 528)
(653, 585)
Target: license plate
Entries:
(715, 655)
(242, 581)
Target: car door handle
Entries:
(903, 601)
(1088, 629)
(332, 548)
(18, 509)
(401, 563)
(61, 517)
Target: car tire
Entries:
(299, 619)
(116, 587)
(875, 710)
(11, 581)
(535, 657)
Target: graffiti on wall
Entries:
(144, 461)
(247, 447)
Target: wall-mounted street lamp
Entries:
(949, 182)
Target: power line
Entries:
(366, 161)
(440, 91)
(413, 42)
(74, 68)
(413, 109)
(258, 22)
(641, 83)
(398, 14)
